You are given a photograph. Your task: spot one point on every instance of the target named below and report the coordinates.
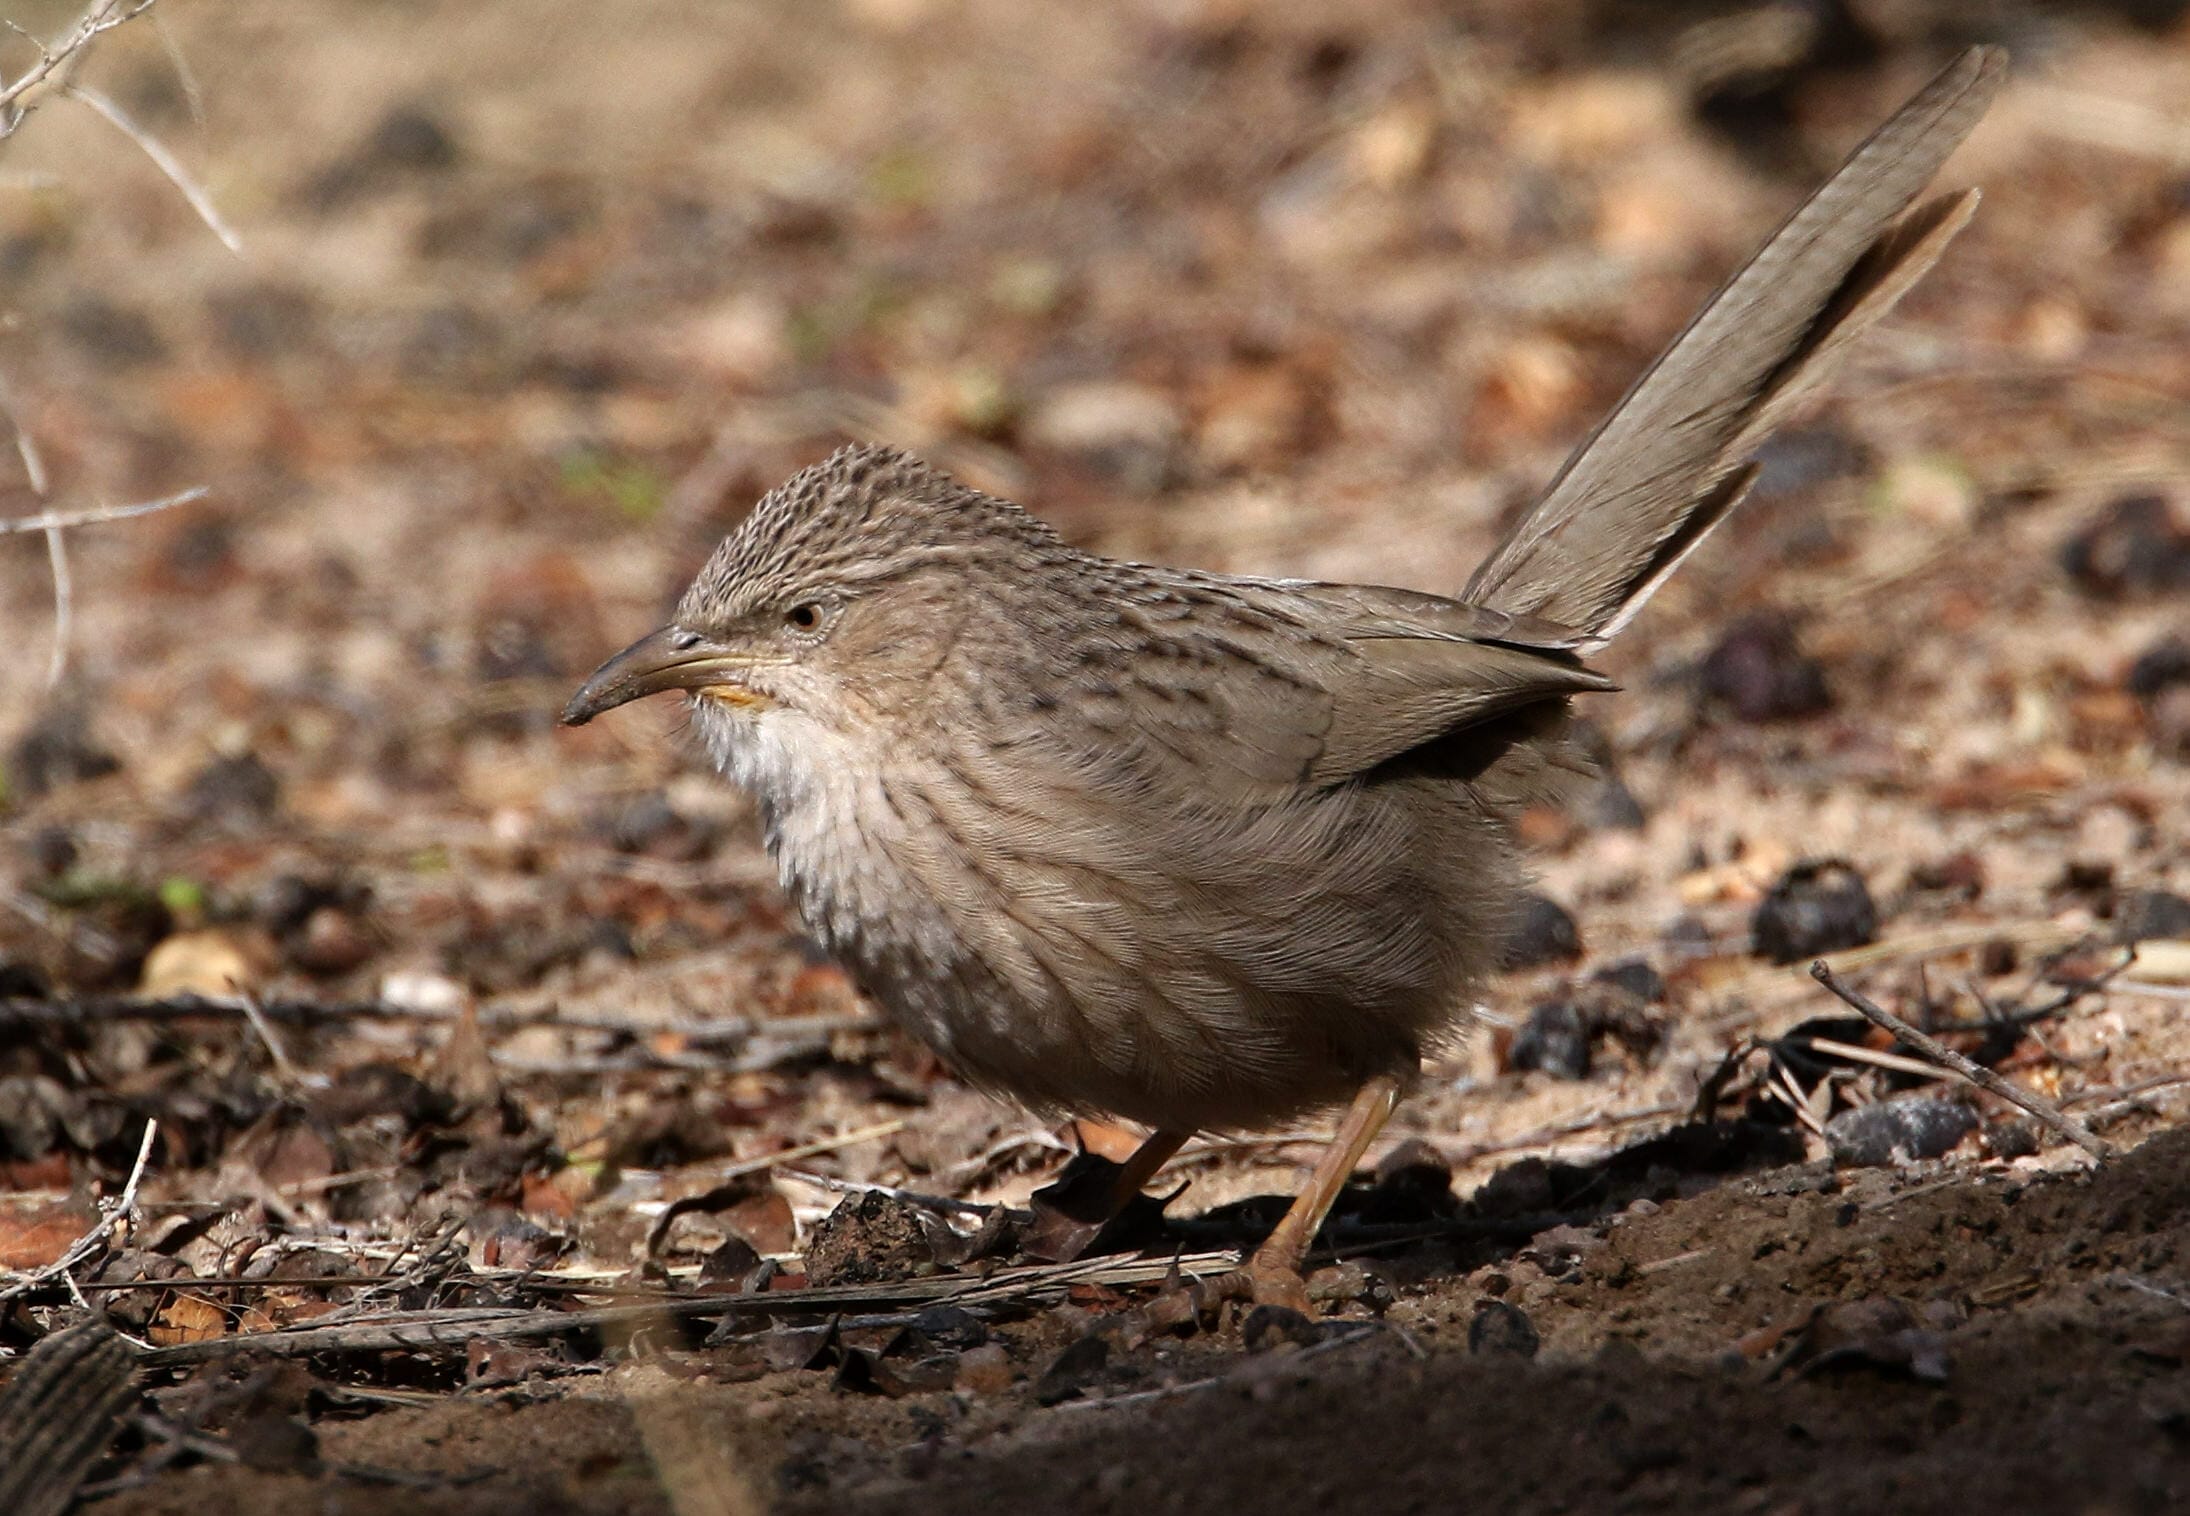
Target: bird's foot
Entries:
(1261, 1281)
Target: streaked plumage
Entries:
(1203, 851)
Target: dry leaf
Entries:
(187, 1318)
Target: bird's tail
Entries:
(1671, 459)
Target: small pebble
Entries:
(1544, 932)
(1818, 906)
(2133, 546)
(1073, 1371)
(1636, 977)
(1903, 1130)
(1554, 1040)
(2162, 666)
(1269, 1326)
(2146, 915)
(57, 750)
(1502, 1330)
(984, 1370)
(52, 851)
(1958, 874)
(233, 791)
(1758, 670)
(330, 943)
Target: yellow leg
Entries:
(1274, 1270)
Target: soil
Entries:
(536, 298)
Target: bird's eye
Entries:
(803, 617)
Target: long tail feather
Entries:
(1659, 472)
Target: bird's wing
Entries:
(1265, 686)
(1418, 666)
(1405, 692)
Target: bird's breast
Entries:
(838, 839)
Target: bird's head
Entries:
(837, 599)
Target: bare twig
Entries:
(53, 73)
(34, 468)
(120, 1210)
(26, 446)
(2049, 1115)
(1855, 1052)
(2147, 1287)
(185, 75)
(1586, 1124)
(165, 161)
(762, 1044)
(92, 515)
(52, 524)
(265, 1030)
(57, 59)
(818, 1146)
(64, 606)
(2125, 126)
(451, 1329)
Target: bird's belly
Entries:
(1126, 984)
(1029, 1012)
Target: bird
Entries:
(1209, 853)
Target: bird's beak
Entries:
(665, 660)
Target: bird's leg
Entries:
(1071, 1213)
(1273, 1273)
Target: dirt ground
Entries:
(535, 299)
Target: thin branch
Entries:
(1855, 1052)
(64, 598)
(451, 1329)
(265, 1030)
(911, 1197)
(103, 16)
(1247, 1371)
(95, 514)
(165, 161)
(64, 606)
(185, 75)
(812, 1149)
(121, 1210)
(26, 446)
(2043, 1110)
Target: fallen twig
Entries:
(121, 1209)
(1550, 1136)
(451, 1330)
(2044, 1111)
(52, 74)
